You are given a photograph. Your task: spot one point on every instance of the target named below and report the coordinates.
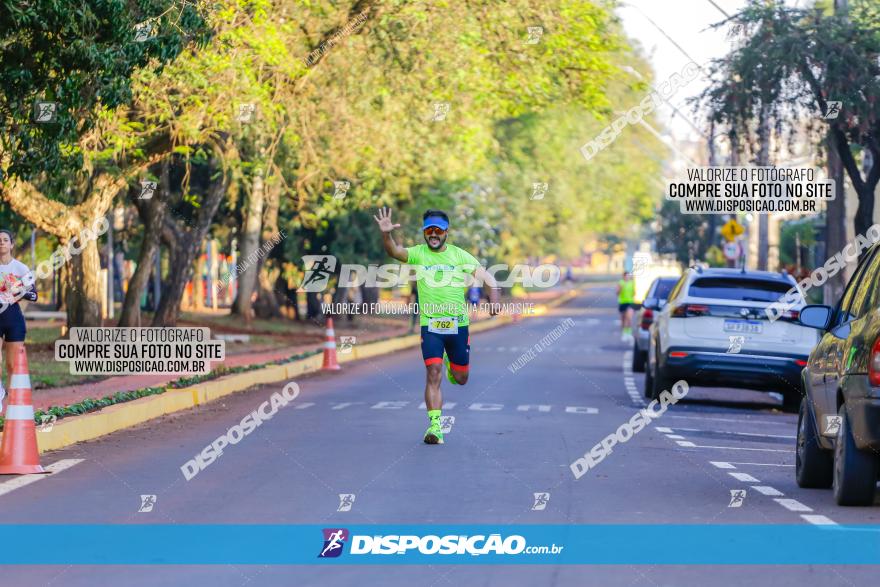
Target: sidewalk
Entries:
(64, 396)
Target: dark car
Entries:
(838, 438)
(655, 299)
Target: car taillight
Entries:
(685, 310)
(790, 316)
(874, 364)
(800, 362)
(647, 319)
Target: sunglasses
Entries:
(434, 231)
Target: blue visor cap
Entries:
(436, 221)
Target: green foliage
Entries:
(80, 55)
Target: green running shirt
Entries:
(627, 292)
(440, 278)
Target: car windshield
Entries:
(738, 288)
(664, 286)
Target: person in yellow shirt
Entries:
(626, 297)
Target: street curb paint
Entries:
(117, 417)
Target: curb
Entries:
(125, 415)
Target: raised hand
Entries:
(384, 220)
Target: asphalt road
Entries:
(514, 434)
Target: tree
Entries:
(792, 64)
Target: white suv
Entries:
(714, 331)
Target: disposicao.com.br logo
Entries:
(334, 540)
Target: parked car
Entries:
(655, 299)
(838, 437)
(714, 331)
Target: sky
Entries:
(688, 23)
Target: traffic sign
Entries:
(731, 230)
(731, 251)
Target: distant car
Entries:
(838, 436)
(714, 331)
(655, 299)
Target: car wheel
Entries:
(659, 381)
(814, 466)
(855, 471)
(649, 380)
(791, 400)
(639, 358)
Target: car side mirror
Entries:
(816, 316)
(651, 304)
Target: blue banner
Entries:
(744, 544)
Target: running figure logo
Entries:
(346, 500)
(346, 344)
(147, 189)
(538, 190)
(322, 267)
(341, 188)
(736, 343)
(737, 496)
(45, 111)
(832, 425)
(535, 33)
(334, 540)
(147, 503)
(541, 500)
(833, 110)
(441, 109)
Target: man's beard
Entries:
(438, 247)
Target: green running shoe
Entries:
(448, 370)
(433, 435)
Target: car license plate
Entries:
(743, 326)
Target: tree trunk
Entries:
(250, 243)
(268, 305)
(835, 226)
(152, 214)
(188, 246)
(84, 287)
(763, 219)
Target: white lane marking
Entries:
(740, 448)
(761, 464)
(663, 429)
(792, 504)
(675, 436)
(629, 382)
(739, 433)
(819, 520)
(722, 465)
(745, 477)
(24, 480)
(767, 490)
(684, 443)
(778, 422)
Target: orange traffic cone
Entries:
(330, 363)
(19, 454)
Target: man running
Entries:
(626, 297)
(440, 271)
(16, 282)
